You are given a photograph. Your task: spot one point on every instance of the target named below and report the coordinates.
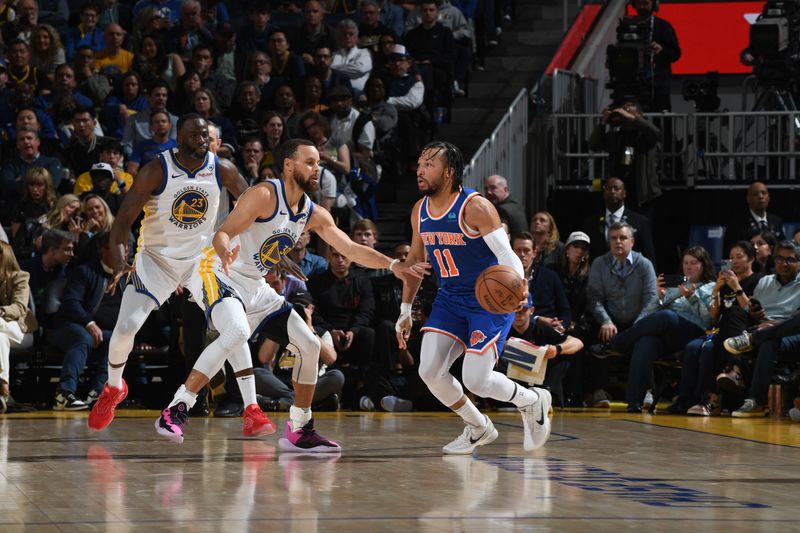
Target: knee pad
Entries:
(230, 320)
(305, 344)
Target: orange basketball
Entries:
(499, 289)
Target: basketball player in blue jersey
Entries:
(179, 192)
(263, 227)
(462, 235)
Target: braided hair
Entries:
(453, 160)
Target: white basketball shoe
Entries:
(471, 438)
(536, 421)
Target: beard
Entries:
(307, 184)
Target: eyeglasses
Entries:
(787, 260)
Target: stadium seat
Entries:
(711, 237)
(789, 229)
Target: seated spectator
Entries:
(313, 32)
(757, 219)
(287, 65)
(764, 244)
(65, 215)
(370, 27)
(153, 63)
(674, 318)
(245, 113)
(392, 16)
(321, 68)
(285, 105)
(13, 171)
(255, 36)
(433, 48)
(547, 294)
(113, 60)
(203, 63)
(30, 117)
(47, 52)
(259, 71)
(406, 93)
(20, 70)
(382, 59)
(87, 33)
(252, 153)
(83, 326)
(545, 237)
(26, 18)
(169, 9)
(190, 33)
(127, 99)
(274, 374)
(205, 105)
(495, 188)
(382, 113)
(704, 358)
(102, 178)
(14, 320)
(65, 96)
(775, 299)
(48, 272)
(312, 96)
(38, 199)
(621, 285)
(366, 233)
(284, 283)
(97, 219)
(349, 125)
(16, 101)
(90, 83)
(558, 344)
(345, 307)
(121, 181)
(188, 84)
(273, 134)
(335, 156)
(352, 62)
(309, 262)
(161, 127)
(622, 129)
(138, 128)
(83, 148)
(596, 226)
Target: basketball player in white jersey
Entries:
(179, 192)
(264, 226)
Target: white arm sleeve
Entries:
(497, 241)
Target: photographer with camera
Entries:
(665, 51)
(630, 141)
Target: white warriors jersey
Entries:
(179, 217)
(268, 239)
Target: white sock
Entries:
(523, 397)
(247, 386)
(184, 395)
(299, 416)
(470, 414)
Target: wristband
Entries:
(405, 309)
(558, 349)
(739, 292)
(393, 263)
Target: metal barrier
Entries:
(503, 152)
(703, 150)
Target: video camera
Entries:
(703, 92)
(775, 41)
(629, 62)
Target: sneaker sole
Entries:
(529, 443)
(266, 430)
(178, 439)
(487, 438)
(749, 415)
(286, 445)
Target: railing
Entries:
(703, 150)
(503, 152)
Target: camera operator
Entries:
(630, 141)
(666, 50)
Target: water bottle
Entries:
(439, 115)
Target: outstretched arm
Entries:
(410, 285)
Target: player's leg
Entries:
(255, 421)
(133, 312)
(437, 355)
(229, 318)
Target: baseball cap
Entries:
(302, 297)
(97, 168)
(578, 236)
(339, 91)
(399, 50)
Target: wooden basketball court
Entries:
(598, 472)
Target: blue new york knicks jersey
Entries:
(458, 253)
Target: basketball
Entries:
(499, 289)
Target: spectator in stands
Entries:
(259, 71)
(764, 243)
(596, 226)
(370, 27)
(121, 181)
(273, 134)
(113, 59)
(546, 238)
(705, 357)
(335, 156)
(548, 297)
(286, 64)
(675, 317)
(21, 71)
(12, 171)
(90, 83)
(205, 105)
(64, 98)
(406, 93)
(154, 64)
(96, 214)
(495, 188)
(757, 219)
(349, 125)
(433, 48)
(87, 33)
(47, 52)
(203, 63)
(621, 284)
(225, 52)
(38, 198)
(138, 127)
(312, 96)
(252, 153)
(392, 16)
(188, 84)
(37, 119)
(27, 18)
(161, 128)
(630, 141)
(310, 263)
(83, 149)
(149, 23)
(14, 321)
(366, 233)
(255, 36)
(274, 374)
(285, 105)
(775, 300)
(65, 215)
(246, 114)
(323, 59)
(48, 272)
(349, 60)
(313, 33)
(107, 186)
(190, 33)
(12, 116)
(284, 283)
(383, 58)
(169, 9)
(83, 326)
(345, 306)
(127, 99)
(382, 113)
(666, 50)
(112, 11)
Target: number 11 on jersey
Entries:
(450, 270)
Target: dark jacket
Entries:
(346, 304)
(744, 227)
(595, 227)
(86, 286)
(512, 214)
(549, 298)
